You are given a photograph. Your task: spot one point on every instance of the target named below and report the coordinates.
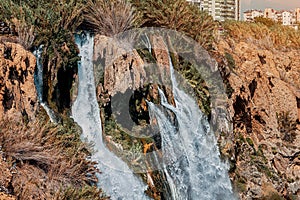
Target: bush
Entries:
(265, 21)
(264, 34)
(46, 158)
(109, 17)
(25, 34)
(286, 126)
(177, 15)
(52, 24)
(86, 193)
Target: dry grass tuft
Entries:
(46, 158)
(85, 193)
(109, 17)
(26, 36)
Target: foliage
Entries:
(265, 21)
(196, 81)
(85, 193)
(287, 126)
(264, 34)
(177, 15)
(26, 34)
(47, 157)
(51, 24)
(109, 17)
(230, 60)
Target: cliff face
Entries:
(122, 68)
(18, 94)
(124, 79)
(264, 97)
(264, 106)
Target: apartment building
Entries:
(220, 9)
(270, 13)
(297, 15)
(285, 17)
(251, 14)
(195, 2)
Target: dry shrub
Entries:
(46, 158)
(25, 33)
(264, 34)
(109, 17)
(85, 193)
(287, 126)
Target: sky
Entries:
(276, 4)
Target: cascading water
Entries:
(38, 77)
(38, 81)
(116, 179)
(190, 153)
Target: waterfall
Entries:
(116, 179)
(38, 76)
(191, 156)
(38, 81)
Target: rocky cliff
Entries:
(38, 159)
(264, 107)
(263, 103)
(18, 94)
(125, 81)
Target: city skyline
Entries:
(262, 4)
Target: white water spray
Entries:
(192, 166)
(38, 81)
(116, 179)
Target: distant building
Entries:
(195, 2)
(220, 10)
(251, 14)
(297, 15)
(270, 13)
(286, 18)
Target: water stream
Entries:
(116, 179)
(38, 81)
(191, 156)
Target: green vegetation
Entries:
(264, 33)
(230, 60)
(51, 24)
(195, 80)
(85, 193)
(287, 126)
(177, 15)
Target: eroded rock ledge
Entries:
(17, 91)
(264, 106)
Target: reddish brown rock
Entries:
(265, 108)
(4, 196)
(123, 68)
(17, 90)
